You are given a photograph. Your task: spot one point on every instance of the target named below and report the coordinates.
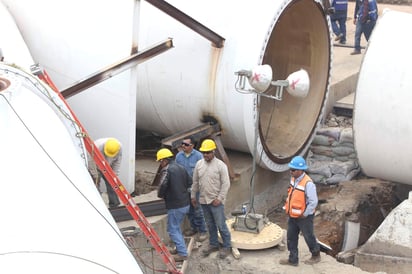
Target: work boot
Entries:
(179, 258)
(206, 252)
(201, 236)
(113, 206)
(224, 252)
(314, 259)
(173, 251)
(189, 232)
(338, 37)
(287, 262)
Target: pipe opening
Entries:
(299, 39)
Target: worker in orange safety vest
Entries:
(300, 206)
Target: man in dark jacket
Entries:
(174, 188)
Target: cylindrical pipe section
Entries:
(195, 80)
(382, 111)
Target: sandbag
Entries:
(324, 140)
(333, 132)
(338, 167)
(332, 156)
(346, 135)
(319, 167)
(342, 150)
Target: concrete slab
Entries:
(390, 246)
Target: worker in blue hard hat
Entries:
(300, 206)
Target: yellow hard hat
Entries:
(163, 153)
(207, 145)
(111, 147)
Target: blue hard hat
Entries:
(298, 163)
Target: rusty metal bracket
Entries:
(198, 133)
(216, 39)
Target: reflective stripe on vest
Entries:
(296, 201)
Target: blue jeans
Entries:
(196, 217)
(216, 220)
(175, 218)
(295, 225)
(366, 29)
(338, 21)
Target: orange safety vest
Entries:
(296, 201)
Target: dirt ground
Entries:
(364, 200)
(357, 200)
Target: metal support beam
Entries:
(197, 133)
(189, 22)
(117, 68)
(152, 208)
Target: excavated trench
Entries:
(362, 201)
(348, 213)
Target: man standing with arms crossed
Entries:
(211, 179)
(300, 206)
(188, 158)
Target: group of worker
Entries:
(196, 183)
(365, 17)
(207, 181)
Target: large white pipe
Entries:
(74, 39)
(195, 80)
(55, 220)
(382, 111)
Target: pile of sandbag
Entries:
(332, 158)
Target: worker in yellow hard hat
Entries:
(211, 179)
(174, 188)
(111, 149)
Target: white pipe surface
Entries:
(55, 219)
(382, 111)
(194, 81)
